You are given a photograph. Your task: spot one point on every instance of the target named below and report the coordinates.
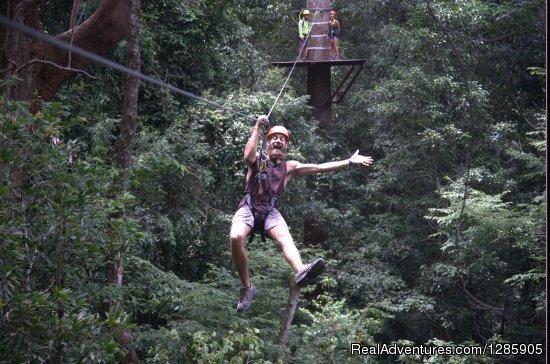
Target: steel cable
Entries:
(104, 61)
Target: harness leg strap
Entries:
(259, 225)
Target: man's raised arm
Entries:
(252, 144)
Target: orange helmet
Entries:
(277, 129)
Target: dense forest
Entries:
(116, 195)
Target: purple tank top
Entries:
(258, 187)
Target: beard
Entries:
(277, 150)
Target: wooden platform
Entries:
(341, 62)
(319, 84)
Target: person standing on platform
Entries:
(304, 27)
(334, 35)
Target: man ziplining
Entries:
(268, 174)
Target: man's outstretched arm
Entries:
(305, 169)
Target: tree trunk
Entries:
(105, 28)
(128, 129)
(288, 316)
(129, 123)
(17, 48)
(128, 126)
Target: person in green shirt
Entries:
(304, 27)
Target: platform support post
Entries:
(319, 89)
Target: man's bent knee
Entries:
(281, 235)
(238, 234)
(237, 240)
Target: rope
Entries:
(104, 61)
(293, 66)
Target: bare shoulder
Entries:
(291, 166)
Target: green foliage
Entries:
(236, 347)
(196, 44)
(332, 328)
(198, 321)
(56, 236)
(441, 241)
(495, 250)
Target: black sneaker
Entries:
(246, 296)
(309, 272)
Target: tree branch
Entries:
(499, 38)
(68, 69)
(74, 11)
(476, 303)
(448, 30)
(106, 27)
(73, 23)
(11, 67)
(512, 97)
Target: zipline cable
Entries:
(294, 65)
(104, 61)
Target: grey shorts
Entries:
(273, 219)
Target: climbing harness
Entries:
(255, 195)
(264, 167)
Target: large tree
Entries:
(43, 68)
